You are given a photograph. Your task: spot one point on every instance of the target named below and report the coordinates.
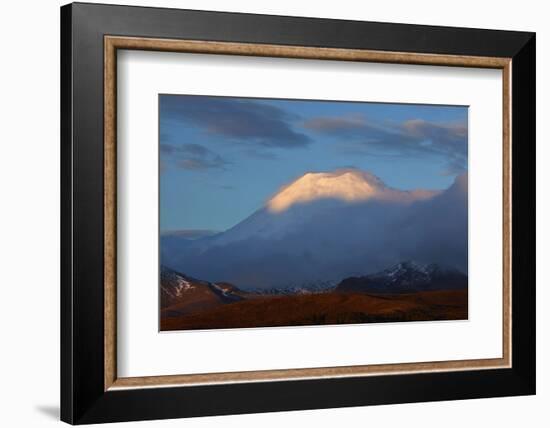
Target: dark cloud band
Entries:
(246, 120)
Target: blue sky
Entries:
(222, 158)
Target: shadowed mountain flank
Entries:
(325, 227)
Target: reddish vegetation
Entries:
(324, 308)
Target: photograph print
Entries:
(287, 212)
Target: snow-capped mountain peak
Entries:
(408, 269)
(405, 277)
(347, 185)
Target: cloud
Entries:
(244, 120)
(337, 125)
(201, 164)
(192, 157)
(411, 138)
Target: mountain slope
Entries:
(325, 309)
(406, 277)
(181, 294)
(404, 292)
(329, 226)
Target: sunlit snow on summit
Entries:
(347, 185)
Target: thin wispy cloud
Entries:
(237, 119)
(352, 124)
(191, 157)
(410, 138)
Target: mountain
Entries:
(406, 277)
(181, 294)
(407, 291)
(173, 241)
(330, 225)
(347, 185)
(316, 287)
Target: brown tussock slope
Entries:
(323, 309)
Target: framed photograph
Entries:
(266, 213)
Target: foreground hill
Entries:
(406, 291)
(326, 308)
(181, 294)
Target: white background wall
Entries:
(29, 214)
